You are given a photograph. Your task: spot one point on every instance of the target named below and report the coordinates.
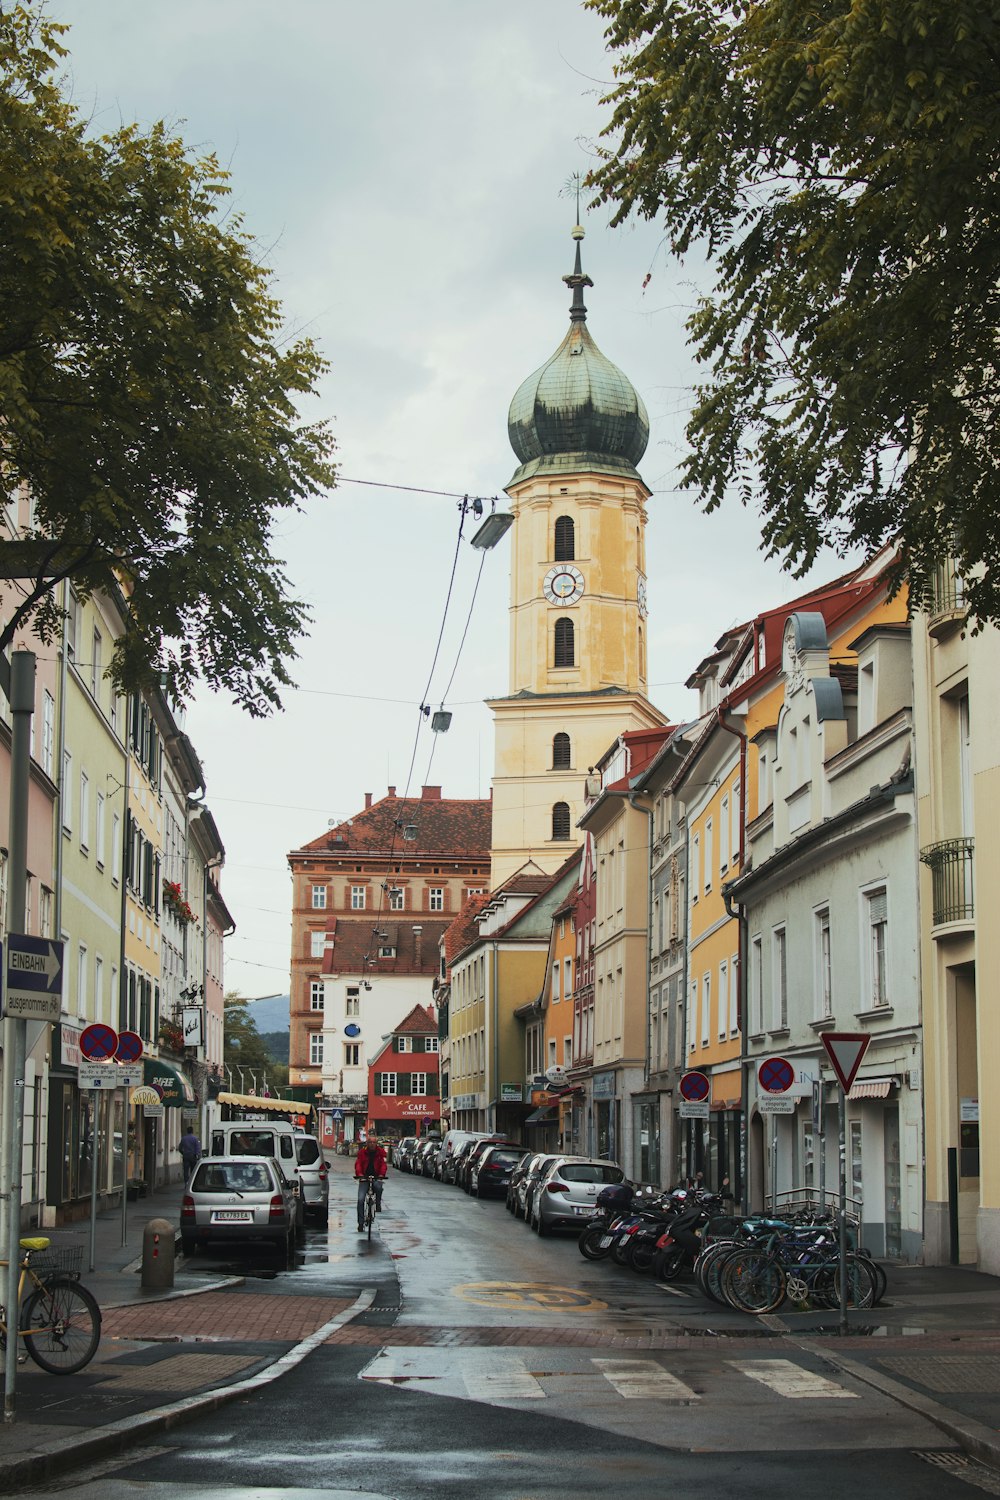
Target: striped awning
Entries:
(871, 1088)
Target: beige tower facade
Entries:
(578, 670)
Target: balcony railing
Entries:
(950, 864)
(946, 604)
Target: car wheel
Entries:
(540, 1227)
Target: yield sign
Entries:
(845, 1050)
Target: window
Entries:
(67, 792)
(709, 831)
(565, 539)
(352, 1005)
(734, 996)
(567, 977)
(723, 999)
(404, 1044)
(565, 643)
(84, 810)
(316, 994)
(692, 1015)
(48, 732)
(431, 1044)
(876, 918)
(560, 821)
(316, 1049)
(352, 1054)
(706, 1008)
(435, 898)
(81, 981)
(72, 625)
(552, 1052)
(779, 979)
(99, 849)
(695, 868)
(567, 1051)
(116, 846)
(396, 898)
(318, 897)
(388, 1082)
(418, 1083)
(98, 987)
(95, 664)
(317, 943)
(560, 751)
(44, 912)
(723, 831)
(556, 982)
(359, 897)
(734, 827)
(824, 972)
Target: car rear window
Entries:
(232, 1177)
(590, 1171)
(507, 1157)
(251, 1143)
(307, 1151)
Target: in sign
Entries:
(99, 1042)
(776, 1075)
(695, 1087)
(129, 1047)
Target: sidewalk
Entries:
(167, 1356)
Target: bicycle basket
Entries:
(66, 1260)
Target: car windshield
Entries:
(232, 1177)
(590, 1171)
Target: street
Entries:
(494, 1363)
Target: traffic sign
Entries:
(775, 1075)
(98, 1042)
(129, 1047)
(694, 1109)
(107, 1075)
(33, 978)
(352, 1029)
(338, 1114)
(845, 1050)
(775, 1104)
(695, 1087)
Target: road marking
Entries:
(506, 1378)
(788, 1379)
(645, 1380)
(527, 1296)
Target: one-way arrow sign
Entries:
(845, 1050)
(33, 978)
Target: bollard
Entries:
(157, 1255)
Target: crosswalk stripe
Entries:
(507, 1381)
(645, 1380)
(788, 1379)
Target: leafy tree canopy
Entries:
(243, 1046)
(148, 401)
(839, 163)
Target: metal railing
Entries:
(947, 595)
(951, 865)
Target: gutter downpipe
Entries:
(496, 1034)
(633, 798)
(739, 916)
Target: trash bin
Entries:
(158, 1255)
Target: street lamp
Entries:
(493, 529)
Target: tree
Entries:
(148, 401)
(839, 164)
(242, 1045)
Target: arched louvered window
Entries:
(560, 751)
(565, 539)
(565, 654)
(560, 820)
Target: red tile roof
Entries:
(352, 941)
(452, 827)
(419, 1022)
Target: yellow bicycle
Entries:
(60, 1321)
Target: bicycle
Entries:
(371, 1206)
(60, 1321)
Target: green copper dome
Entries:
(578, 412)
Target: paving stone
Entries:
(960, 1374)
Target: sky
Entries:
(402, 167)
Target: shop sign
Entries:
(969, 1110)
(603, 1085)
(69, 1045)
(511, 1093)
(193, 1021)
(464, 1101)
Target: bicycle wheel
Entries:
(369, 1213)
(61, 1324)
(708, 1269)
(753, 1282)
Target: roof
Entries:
(418, 1022)
(356, 946)
(463, 930)
(452, 827)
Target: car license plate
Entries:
(232, 1216)
(584, 1208)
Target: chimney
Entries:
(431, 794)
(391, 792)
(368, 800)
(417, 946)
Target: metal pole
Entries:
(22, 703)
(124, 1166)
(94, 1109)
(843, 1212)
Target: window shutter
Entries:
(395, 1044)
(877, 907)
(432, 1083)
(378, 1083)
(402, 1083)
(418, 1044)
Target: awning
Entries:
(543, 1116)
(871, 1088)
(284, 1106)
(174, 1089)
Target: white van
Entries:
(453, 1140)
(274, 1138)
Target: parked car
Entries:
(313, 1174)
(240, 1198)
(520, 1168)
(564, 1197)
(426, 1152)
(403, 1151)
(452, 1143)
(491, 1170)
(475, 1151)
(533, 1173)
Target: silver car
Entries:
(313, 1174)
(234, 1198)
(564, 1197)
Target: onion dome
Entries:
(578, 413)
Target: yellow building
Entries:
(958, 810)
(578, 673)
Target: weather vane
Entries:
(571, 189)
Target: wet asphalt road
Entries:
(484, 1369)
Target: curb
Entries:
(100, 1442)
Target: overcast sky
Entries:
(401, 165)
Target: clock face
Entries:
(640, 595)
(563, 584)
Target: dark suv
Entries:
(469, 1158)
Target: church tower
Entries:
(578, 593)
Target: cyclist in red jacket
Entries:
(371, 1161)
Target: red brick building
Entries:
(404, 1086)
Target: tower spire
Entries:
(577, 279)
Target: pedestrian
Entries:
(190, 1148)
(370, 1162)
